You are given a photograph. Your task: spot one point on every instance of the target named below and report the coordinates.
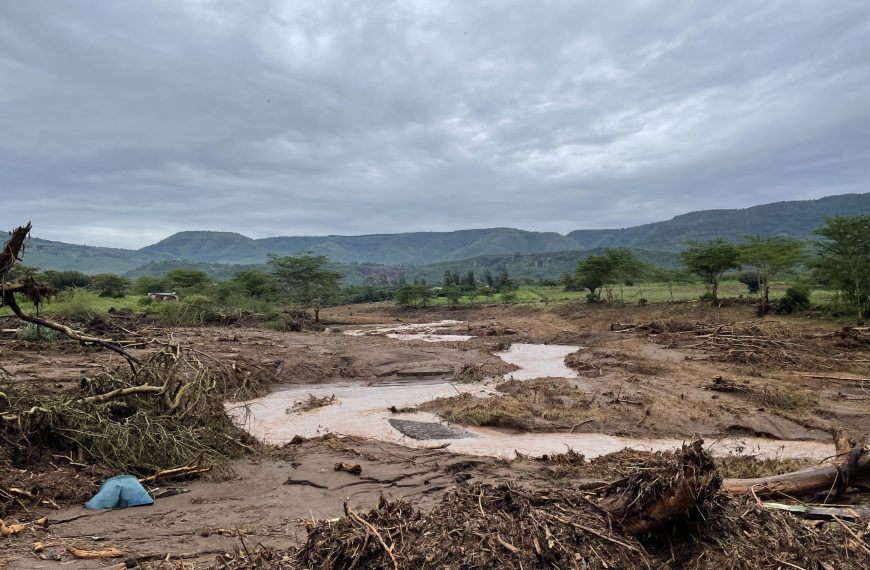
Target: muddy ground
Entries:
(638, 384)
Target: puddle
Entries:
(427, 332)
(538, 361)
(363, 411)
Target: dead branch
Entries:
(9, 299)
(851, 466)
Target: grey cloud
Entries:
(123, 122)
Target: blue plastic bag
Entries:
(119, 492)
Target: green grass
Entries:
(74, 303)
(652, 292)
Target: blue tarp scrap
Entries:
(119, 492)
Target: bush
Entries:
(76, 305)
(33, 333)
(750, 279)
(796, 298)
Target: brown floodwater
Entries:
(362, 410)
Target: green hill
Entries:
(47, 254)
(207, 247)
(796, 219)
(530, 253)
(421, 247)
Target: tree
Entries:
(67, 279)
(769, 256)
(750, 279)
(109, 284)
(844, 257)
(709, 260)
(186, 279)
(306, 281)
(452, 294)
(413, 295)
(671, 276)
(503, 282)
(606, 271)
(147, 284)
(257, 284)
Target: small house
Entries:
(163, 296)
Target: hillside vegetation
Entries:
(426, 254)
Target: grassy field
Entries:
(77, 303)
(652, 292)
(83, 304)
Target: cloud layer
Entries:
(123, 122)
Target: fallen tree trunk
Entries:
(848, 470)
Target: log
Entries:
(851, 469)
(94, 554)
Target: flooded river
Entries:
(363, 410)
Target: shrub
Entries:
(796, 298)
(76, 305)
(34, 333)
(750, 279)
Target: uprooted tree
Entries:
(163, 410)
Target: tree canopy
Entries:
(844, 257)
(709, 260)
(306, 281)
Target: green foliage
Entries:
(61, 280)
(413, 295)
(750, 279)
(189, 280)
(796, 298)
(75, 305)
(607, 271)
(709, 260)
(770, 256)
(367, 293)
(508, 297)
(306, 281)
(671, 276)
(844, 257)
(34, 333)
(147, 284)
(452, 294)
(109, 284)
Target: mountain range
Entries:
(456, 250)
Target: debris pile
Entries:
(760, 342)
(664, 513)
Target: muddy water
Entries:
(538, 361)
(427, 332)
(363, 411)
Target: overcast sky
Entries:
(122, 122)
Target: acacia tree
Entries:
(605, 271)
(109, 284)
(844, 257)
(709, 260)
(306, 281)
(671, 276)
(769, 256)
